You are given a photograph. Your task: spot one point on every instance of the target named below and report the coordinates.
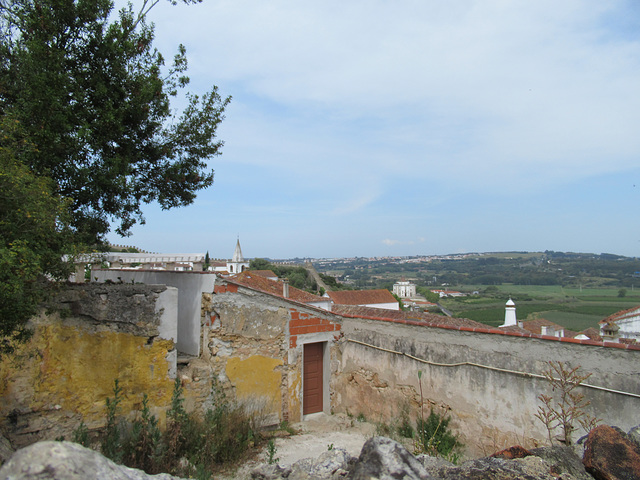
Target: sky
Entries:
(410, 127)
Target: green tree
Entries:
(34, 234)
(93, 95)
(260, 264)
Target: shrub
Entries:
(190, 446)
(434, 437)
(111, 446)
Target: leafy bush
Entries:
(433, 437)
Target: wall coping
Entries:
(496, 331)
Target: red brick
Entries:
(293, 341)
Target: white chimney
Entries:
(510, 314)
(285, 287)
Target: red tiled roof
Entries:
(264, 273)
(362, 297)
(592, 333)
(513, 329)
(429, 319)
(535, 326)
(622, 314)
(258, 282)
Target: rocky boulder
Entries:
(562, 460)
(492, 468)
(68, 461)
(611, 455)
(332, 464)
(386, 459)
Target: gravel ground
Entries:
(314, 436)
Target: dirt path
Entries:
(317, 434)
(321, 432)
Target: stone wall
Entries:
(190, 285)
(252, 346)
(490, 407)
(89, 336)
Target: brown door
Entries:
(312, 378)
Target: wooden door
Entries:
(312, 378)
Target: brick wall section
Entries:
(229, 287)
(304, 323)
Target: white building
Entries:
(623, 324)
(404, 289)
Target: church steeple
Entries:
(237, 263)
(237, 255)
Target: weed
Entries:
(81, 435)
(405, 428)
(361, 418)
(330, 447)
(434, 437)
(144, 446)
(565, 407)
(271, 452)
(190, 446)
(111, 443)
(286, 427)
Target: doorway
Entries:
(312, 378)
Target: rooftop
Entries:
(362, 297)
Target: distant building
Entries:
(623, 325)
(449, 293)
(404, 289)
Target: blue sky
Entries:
(411, 127)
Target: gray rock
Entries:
(68, 461)
(432, 464)
(634, 435)
(490, 468)
(331, 464)
(6, 450)
(386, 459)
(562, 460)
(270, 472)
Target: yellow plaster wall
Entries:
(259, 377)
(295, 390)
(71, 369)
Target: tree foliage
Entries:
(87, 137)
(34, 231)
(93, 95)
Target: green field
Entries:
(573, 308)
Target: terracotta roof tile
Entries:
(429, 319)
(264, 273)
(258, 282)
(361, 297)
(592, 333)
(622, 314)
